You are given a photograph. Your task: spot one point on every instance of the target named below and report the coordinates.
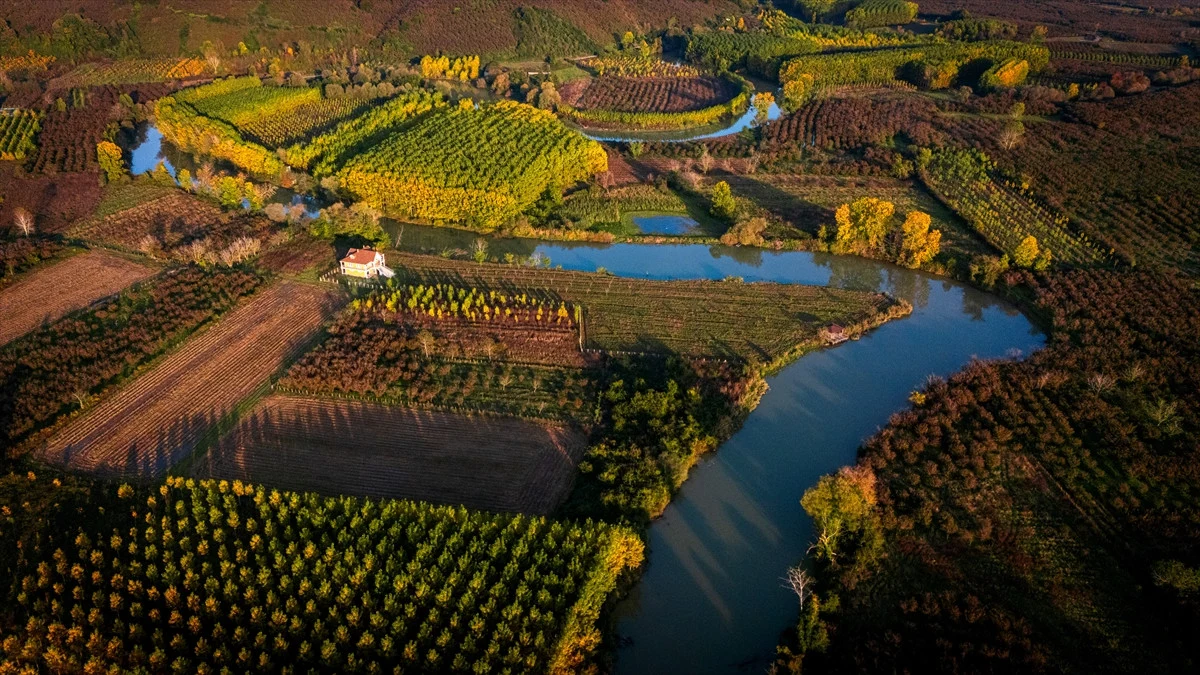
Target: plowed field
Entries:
(158, 418)
(350, 447)
(49, 293)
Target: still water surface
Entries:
(711, 600)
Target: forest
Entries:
(611, 235)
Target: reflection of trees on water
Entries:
(910, 286)
(852, 273)
(975, 302)
(745, 255)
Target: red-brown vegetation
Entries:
(371, 450)
(159, 418)
(649, 94)
(46, 294)
(174, 221)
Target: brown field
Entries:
(170, 222)
(649, 94)
(161, 416)
(351, 447)
(47, 294)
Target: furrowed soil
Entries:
(159, 418)
(47, 294)
(372, 450)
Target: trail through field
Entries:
(367, 449)
(160, 417)
(49, 293)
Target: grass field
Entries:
(160, 417)
(726, 319)
(371, 450)
(47, 294)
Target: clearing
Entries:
(47, 294)
(160, 417)
(372, 450)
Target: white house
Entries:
(365, 263)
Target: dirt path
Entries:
(48, 293)
(157, 419)
(350, 447)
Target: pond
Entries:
(711, 599)
(665, 224)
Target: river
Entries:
(711, 599)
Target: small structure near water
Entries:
(834, 334)
(365, 263)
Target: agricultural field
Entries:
(725, 319)
(649, 94)
(174, 225)
(364, 584)
(17, 131)
(370, 450)
(846, 123)
(654, 102)
(67, 142)
(279, 116)
(587, 210)
(62, 367)
(808, 202)
(22, 254)
(131, 71)
(162, 415)
(477, 166)
(52, 291)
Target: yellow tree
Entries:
(862, 225)
(918, 244)
(1026, 252)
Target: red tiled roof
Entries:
(360, 256)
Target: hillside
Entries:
(414, 26)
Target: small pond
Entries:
(666, 224)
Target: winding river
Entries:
(711, 599)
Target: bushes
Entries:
(872, 13)
(479, 166)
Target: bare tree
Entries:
(23, 219)
(706, 161)
(799, 582)
(427, 341)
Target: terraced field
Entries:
(347, 447)
(47, 294)
(160, 417)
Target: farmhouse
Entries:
(835, 334)
(365, 263)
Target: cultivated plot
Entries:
(47, 294)
(160, 417)
(372, 450)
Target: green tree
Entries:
(108, 154)
(862, 225)
(816, 8)
(842, 507)
(723, 204)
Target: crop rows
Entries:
(161, 416)
(278, 116)
(372, 450)
(170, 223)
(725, 319)
(630, 64)
(872, 13)
(1003, 216)
(479, 166)
(654, 94)
(184, 126)
(849, 122)
(133, 71)
(326, 153)
(17, 130)
(58, 368)
(68, 138)
(29, 61)
(338, 583)
(55, 290)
